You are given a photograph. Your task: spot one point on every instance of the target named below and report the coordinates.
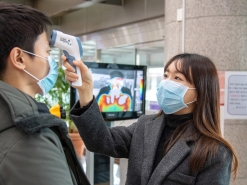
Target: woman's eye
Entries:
(165, 75)
(177, 78)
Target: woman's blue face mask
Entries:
(48, 82)
(170, 96)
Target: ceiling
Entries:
(57, 8)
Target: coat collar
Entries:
(175, 155)
(21, 110)
(152, 134)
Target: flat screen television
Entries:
(119, 90)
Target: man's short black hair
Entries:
(114, 74)
(20, 26)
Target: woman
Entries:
(181, 145)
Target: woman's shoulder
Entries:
(224, 151)
(222, 156)
(148, 117)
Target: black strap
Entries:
(71, 157)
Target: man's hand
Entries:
(86, 90)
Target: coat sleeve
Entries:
(216, 171)
(98, 137)
(36, 159)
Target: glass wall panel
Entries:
(121, 55)
(89, 51)
(153, 57)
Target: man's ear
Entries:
(17, 58)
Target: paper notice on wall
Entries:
(235, 95)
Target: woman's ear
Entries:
(196, 97)
(17, 58)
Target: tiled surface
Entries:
(198, 8)
(173, 29)
(173, 44)
(171, 7)
(238, 181)
(223, 39)
(217, 29)
(236, 134)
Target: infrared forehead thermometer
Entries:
(72, 49)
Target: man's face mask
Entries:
(48, 82)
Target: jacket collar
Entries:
(152, 134)
(23, 112)
(174, 156)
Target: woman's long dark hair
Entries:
(201, 72)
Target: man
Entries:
(114, 97)
(34, 145)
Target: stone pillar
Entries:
(217, 29)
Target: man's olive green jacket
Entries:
(34, 147)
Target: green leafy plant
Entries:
(60, 94)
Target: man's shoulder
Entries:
(16, 135)
(105, 89)
(45, 151)
(125, 89)
(18, 140)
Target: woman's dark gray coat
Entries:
(138, 143)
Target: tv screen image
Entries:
(119, 90)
